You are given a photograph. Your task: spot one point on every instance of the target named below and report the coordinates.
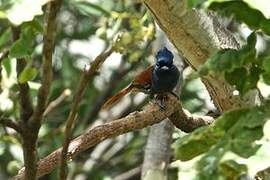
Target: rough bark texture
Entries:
(157, 151)
(135, 120)
(197, 35)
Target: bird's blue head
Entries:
(164, 58)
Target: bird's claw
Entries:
(175, 95)
(160, 101)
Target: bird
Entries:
(157, 79)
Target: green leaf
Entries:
(251, 40)
(229, 119)
(207, 165)
(233, 77)
(252, 79)
(88, 8)
(244, 144)
(248, 79)
(35, 25)
(195, 3)
(246, 131)
(266, 64)
(5, 38)
(232, 170)
(22, 48)
(199, 142)
(7, 65)
(266, 77)
(243, 13)
(254, 118)
(27, 74)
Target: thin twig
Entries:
(131, 173)
(48, 48)
(57, 101)
(136, 120)
(25, 99)
(86, 77)
(11, 124)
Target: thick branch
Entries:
(189, 122)
(136, 120)
(197, 35)
(86, 77)
(11, 124)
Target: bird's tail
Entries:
(116, 98)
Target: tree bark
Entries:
(158, 151)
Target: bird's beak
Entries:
(164, 68)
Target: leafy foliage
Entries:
(232, 64)
(235, 131)
(27, 74)
(243, 13)
(23, 47)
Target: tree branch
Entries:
(48, 48)
(130, 174)
(86, 77)
(189, 122)
(157, 151)
(11, 124)
(25, 99)
(263, 174)
(57, 101)
(136, 120)
(32, 126)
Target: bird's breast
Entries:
(164, 80)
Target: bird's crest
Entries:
(164, 53)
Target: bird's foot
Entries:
(160, 101)
(175, 95)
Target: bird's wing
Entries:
(144, 79)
